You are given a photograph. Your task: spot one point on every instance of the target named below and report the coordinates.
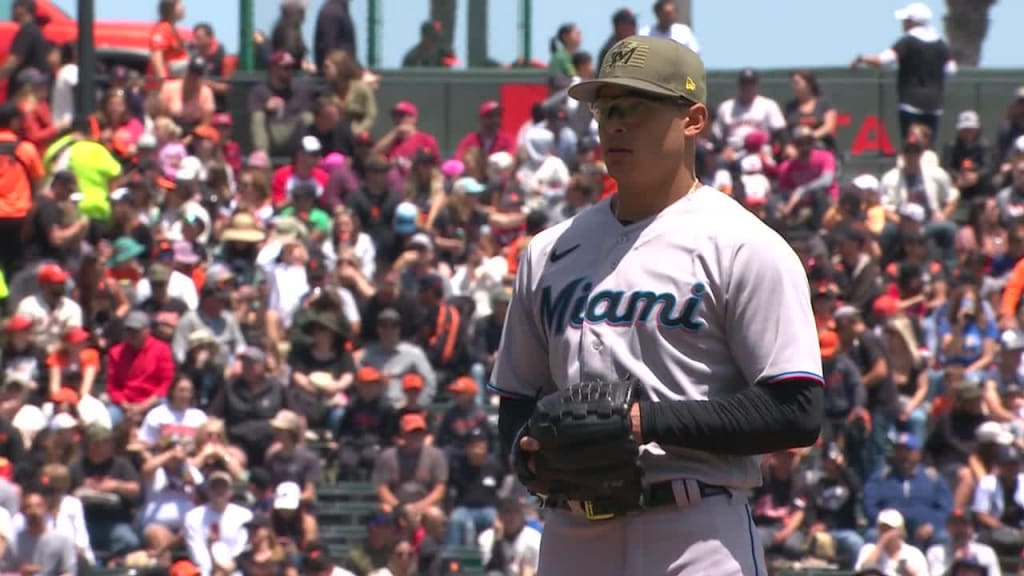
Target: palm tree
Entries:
(966, 27)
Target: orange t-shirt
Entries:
(87, 358)
(165, 39)
(18, 173)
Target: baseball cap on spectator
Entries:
(332, 161)
(28, 419)
(453, 168)
(748, 76)
(18, 323)
(98, 433)
(63, 421)
(52, 274)
(197, 64)
(122, 194)
(421, 240)
(917, 12)
(30, 77)
(425, 155)
(200, 337)
(316, 559)
(368, 375)
(287, 496)
(1007, 455)
(828, 341)
(311, 145)
(1011, 340)
(288, 228)
(183, 567)
(648, 64)
(389, 314)
(866, 182)
(405, 108)
(412, 422)
(159, 273)
(244, 229)
(913, 211)
(846, 312)
(469, 185)
(147, 142)
(258, 159)
(890, 517)
(76, 335)
(907, 440)
(991, 432)
(222, 120)
(500, 161)
(412, 381)
(206, 132)
(623, 16)
(253, 354)
(218, 476)
(405, 218)
(431, 282)
(490, 107)
(968, 120)
(282, 59)
(136, 320)
(463, 385)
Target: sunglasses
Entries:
(633, 106)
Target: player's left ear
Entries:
(696, 120)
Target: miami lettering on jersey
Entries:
(575, 305)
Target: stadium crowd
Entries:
(199, 342)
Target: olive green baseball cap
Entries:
(655, 65)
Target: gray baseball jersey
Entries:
(699, 301)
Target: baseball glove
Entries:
(587, 450)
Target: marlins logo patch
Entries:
(627, 54)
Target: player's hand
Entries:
(530, 445)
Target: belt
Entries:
(679, 493)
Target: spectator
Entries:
(832, 506)
(565, 43)
(462, 418)
(475, 479)
(392, 355)
(264, 553)
(32, 98)
(490, 137)
(189, 100)
(430, 51)
(510, 545)
(778, 507)
(248, 402)
(969, 158)
(442, 332)
(1004, 374)
(176, 421)
(288, 459)
(623, 26)
(168, 53)
(213, 316)
(369, 425)
(962, 546)
(668, 26)
(809, 108)
(924, 61)
(845, 396)
(334, 31)
(375, 550)
(279, 107)
(746, 113)
(807, 183)
(109, 488)
(411, 473)
(139, 372)
(287, 33)
(917, 492)
(213, 452)
(402, 562)
(66, 516)
(291, 519)
(344, 79)
(18, 182)
(405, 141)
(317, 561)
(29, 49)
(169, 492)
(35, 547)
(908, 366)
(215, 532)
(58, 228)
(322, 372)
(303, 171)
(891, 554)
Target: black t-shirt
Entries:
(368, 422)
(303, 360)
(448, 224)
(31, 49)
(376, 213)
(45, 218)
(866, 351)
(476, 486)
(834, 500)
(921, 79)
(338, 139)
(814, 119)
(117, 468)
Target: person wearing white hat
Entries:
(891, 554)
(924, 60)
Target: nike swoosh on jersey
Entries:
(556, 255)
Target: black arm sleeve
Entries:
(513, 413)
(762, 419)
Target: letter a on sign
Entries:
(872, 137)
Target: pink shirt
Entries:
(796, 172)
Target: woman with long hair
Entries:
(118, 129)
(968, 332)
(424, 187)
(213, 451)
(33, 99)
(909, 369)
(983, 232)
(349, 237)
(291, 519)
(562, 47)
(264, 556)
(809, 108)
(168, 53)
(344, 79)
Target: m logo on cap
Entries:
(629, 53)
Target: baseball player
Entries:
(655, 344)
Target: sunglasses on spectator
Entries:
(633, 105)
